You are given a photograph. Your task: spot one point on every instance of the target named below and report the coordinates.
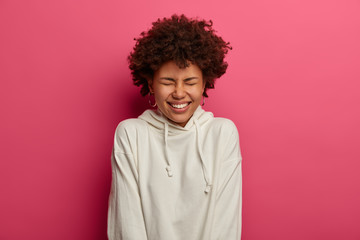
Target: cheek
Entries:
(197, 93)
(161, 93)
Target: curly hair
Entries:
(183, 41)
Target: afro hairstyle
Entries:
(183, 41)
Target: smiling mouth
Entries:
(179, 106)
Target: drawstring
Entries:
(168, 167)
(198, 140)
(205, 172)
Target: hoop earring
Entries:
(203, 103)
(152, 105)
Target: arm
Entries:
(125, 216)
(227, 219)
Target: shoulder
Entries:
(126, 134)
(224, 125)
(223, 130)
(130, 125)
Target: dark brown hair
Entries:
(182, 40)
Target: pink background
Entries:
(292, 89)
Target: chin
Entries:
(180, 120)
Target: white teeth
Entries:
(179, 105)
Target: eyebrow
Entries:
(185, 80)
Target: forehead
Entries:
(170, 69)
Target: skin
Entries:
(173, 85)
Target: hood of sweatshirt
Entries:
(160, 122)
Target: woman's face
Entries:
(177, 91)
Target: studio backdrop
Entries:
(292, 88)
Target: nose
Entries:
(179, 92)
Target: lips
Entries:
(181, 106)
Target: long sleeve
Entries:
(125, 215)
(228, 209)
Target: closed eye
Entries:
(167, 81)
(191, 81)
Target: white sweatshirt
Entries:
(175, 183)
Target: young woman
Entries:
(176, 170)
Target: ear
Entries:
(203, 86)
(150, 83)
